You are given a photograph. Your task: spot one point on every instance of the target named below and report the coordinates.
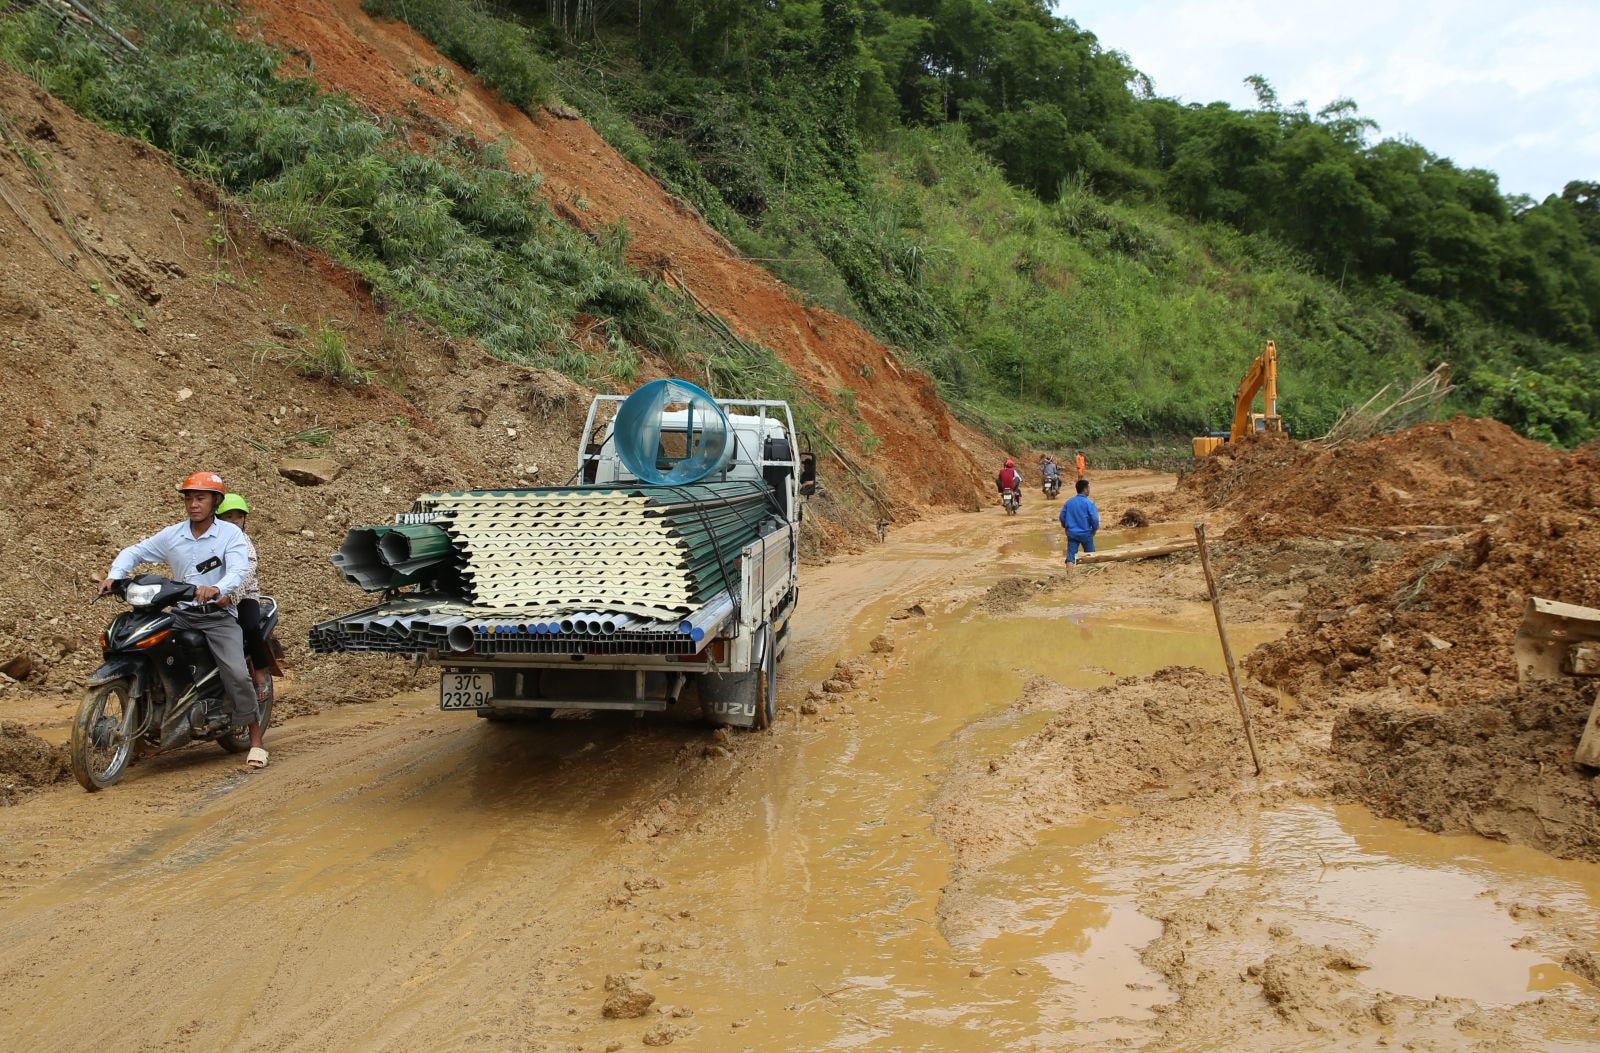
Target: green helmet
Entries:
(233, 503)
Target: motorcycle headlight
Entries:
(141, 595)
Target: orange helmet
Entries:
(1010, 463)
(208, 482)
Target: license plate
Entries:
(465, 690)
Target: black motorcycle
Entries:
(1011, 500)
(1052, 485)
(158, 687)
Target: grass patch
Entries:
(328, 358)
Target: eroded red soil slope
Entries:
(592, 186)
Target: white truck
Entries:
(508, 663)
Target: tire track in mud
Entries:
(399, 877)
(418, 889)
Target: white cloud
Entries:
(1517, 92)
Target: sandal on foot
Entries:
(256, 759)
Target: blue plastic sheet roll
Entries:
(638, 434)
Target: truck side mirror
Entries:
(808, 473)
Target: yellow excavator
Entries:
(1261, 376)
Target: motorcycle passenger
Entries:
(236, 510)
(1010, 479)
(214, 557)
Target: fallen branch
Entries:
(1406, 409)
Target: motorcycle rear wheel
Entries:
(102, 741)
(239, 741)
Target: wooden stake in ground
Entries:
(1227, 651)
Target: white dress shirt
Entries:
(180, 550)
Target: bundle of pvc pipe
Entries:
(420, 625)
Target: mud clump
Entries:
(1501, 768)
(1585, 964)
(663, 1034)
(1294, 980)
(28, 762)
(626, 998)
(1010, 594)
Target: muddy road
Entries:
(1007, 807)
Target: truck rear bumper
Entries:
(529, 689)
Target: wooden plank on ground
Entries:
(1115, 555)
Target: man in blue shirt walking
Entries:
(1081, 520)
(214, 557)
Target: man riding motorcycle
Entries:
(1051, 473)
(1010, 479)
(214, 557)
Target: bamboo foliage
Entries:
(1377, 417)
(580, 18)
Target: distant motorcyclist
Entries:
(1051, 472)
(213, 556)
(1010, 479)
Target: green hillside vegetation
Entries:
(1083, 321)
(1132, 253)
(452, 236)
(985, 187)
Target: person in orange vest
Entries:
(1082, 465)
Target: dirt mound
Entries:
(27, 761)
(592, 187)
(1449, 474)
(1438, 621)
(157, 333)
(1105, 747)
(1487, 519)
(1501, 767)
(1009, 594)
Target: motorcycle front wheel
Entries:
(102, 735)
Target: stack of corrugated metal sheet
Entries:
(649, 551)
(549, 569)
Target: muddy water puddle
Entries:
(851, 873)
(1428, 916)
(827, 894)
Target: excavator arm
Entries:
(1261, 377)
(1263, 372)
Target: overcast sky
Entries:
(1511, 87)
